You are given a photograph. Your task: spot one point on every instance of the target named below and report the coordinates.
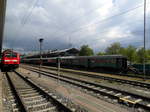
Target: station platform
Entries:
(1, 77)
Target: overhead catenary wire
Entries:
(122, 14)
(104, 20)
(98, 22)
(29, 14)
(82, 27)
(75, 19)
(104, 37)
(24, 20)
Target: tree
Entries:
(130, 52)
(140, 55)
(122, 51)
(86, 51)
(148, 55)
(100, 53)
(148, 52)
(115, 48)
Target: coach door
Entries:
(119, 63)
(88, 63)
(124, 62)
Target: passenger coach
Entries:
(107, 62)
(113, 62)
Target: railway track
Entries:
(27, 96)
(11, 103)
(100, 91)
(123, 81)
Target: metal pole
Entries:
(40, 40)
(58, 72)
(40, 61)
(144, 36)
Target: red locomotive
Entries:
(10, 60)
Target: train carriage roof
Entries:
(81, 57)
(90, 57)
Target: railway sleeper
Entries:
(11, 100)
(22, 87)
(40, 106)
(36, 102)
(26, 89)
(50, 109)
(27, 92)
(77, 83)
(15, 110)
(29, 95)
(118, 94)
(148, 105)
(32, 98)
(134, 103)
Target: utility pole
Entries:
(40, 40)
(144, 36)
(58, 69)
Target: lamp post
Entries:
(40, 40)
(144, 37)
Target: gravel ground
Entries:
(1, 78)
(89, 102)
(102, 74)
(117, 85)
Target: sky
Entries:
(73, 23)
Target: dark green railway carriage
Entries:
(79, 61)
(66, 62)
(116, 62)
(109, 61)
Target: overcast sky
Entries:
(66, 23)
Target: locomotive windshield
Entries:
(8, 55)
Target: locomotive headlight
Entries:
(10, 60)
(14, 60)
(6, 60)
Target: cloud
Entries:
(61, 22)
(117, 32)
(105, 10)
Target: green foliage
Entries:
(133, 54)
(140, 55)
(100, 53)
(115, 48)
(123, 51)
(86, 51)
(130, 53)
(148, 52)
(148, 55)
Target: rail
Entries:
(119, 95)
